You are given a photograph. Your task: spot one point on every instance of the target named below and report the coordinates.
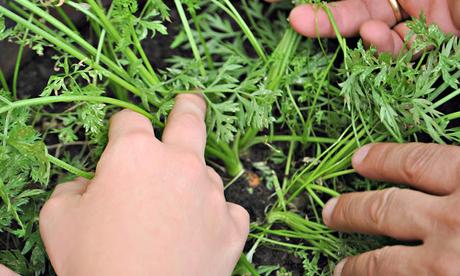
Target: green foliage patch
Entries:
(311, 102)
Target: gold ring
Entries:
(396, 9)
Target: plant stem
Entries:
(289, 138)
(66, 99)
(18, 63)
(66, 19)
(233, 13)
(191, 39)
(74, 52)
(69, 168)
(99, 12)
(74, 36)
(244, 262)
(3, 81)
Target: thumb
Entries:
(454, 8)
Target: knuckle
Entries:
(380, 205)
(189, 120)
(216, 198)
(243, 216)
(376, 261)
(450, 219)
(417, 162)
(215, 176)
(237, 237)
(191, 164)
(140, 137)
(49, 208)
(139, 140)
(190, 174)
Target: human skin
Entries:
(430, 213)
(153, 207)
(374, 20)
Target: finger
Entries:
(240, 217)
(76, 187)
(441, 13)
(393, 260)
(403, 32)
(311, 20)
(454, 8)
(429, 167)
(377, 34)
(389, 212)
(5, 271)
(128, 124)
(185, 127)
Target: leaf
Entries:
(25, 140)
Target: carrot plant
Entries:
(308, 104)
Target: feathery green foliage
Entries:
(311, 102)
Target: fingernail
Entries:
(339, 267)
(328, 209)
(361, 154)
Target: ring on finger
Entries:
(396, 9)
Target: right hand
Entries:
(374, 20)
(153, 208)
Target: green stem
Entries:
(61, 44)
(99, 12)
(285, 49)
(202, 40)
(18, 63)
(233, 13)
(69, 168)
(445, 99)
(289, 138)
(66, 19)
(324, 190)
(73, 35)
(66, 99)
(191, 39)
(246, 264)
(141, 52)
(3, 81)
(232, 163)
(443, 87)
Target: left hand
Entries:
(430, 215)
(374, 20)
(153, 207)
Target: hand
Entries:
(374, 20)
(153, 208)
(431, 216)
(5, 271)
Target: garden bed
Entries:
(288, 112)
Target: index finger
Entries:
(185, 127)
(428, 167)
(129, 123)
(128, 132)
(312, 20)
